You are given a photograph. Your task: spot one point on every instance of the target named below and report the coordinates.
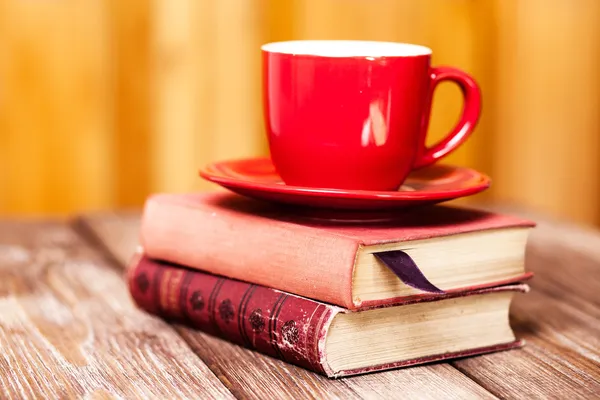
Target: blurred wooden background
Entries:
(104, 101)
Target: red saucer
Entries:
(257, 178)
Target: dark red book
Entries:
(321, 337)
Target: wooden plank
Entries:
(530, 377)
(206, 87)
(174, 107)
(244, 371)
(566, 260)
(561, 358)
(131, 23)
(558, 319)
(69, 329)
(558, 121)
(251, 375)
(55, 107)
(115, 233)
(566, 328)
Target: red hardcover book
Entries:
(433, 249)
(322, 337)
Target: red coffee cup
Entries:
(345, 114)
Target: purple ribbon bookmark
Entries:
(405, 268)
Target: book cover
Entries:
(266, 320)
(229, 235)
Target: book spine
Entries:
(266, 320)
(269, 252)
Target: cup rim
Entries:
(337, 48)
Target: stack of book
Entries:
(336, 297)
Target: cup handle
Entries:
(468, 120)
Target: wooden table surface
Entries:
(68, 329)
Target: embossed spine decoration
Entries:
(259, 318)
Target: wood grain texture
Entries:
(68, 328)
(245, 372)
(116, 233)
(254, 375)
(561, 357)
(558, 318)
(206, 103)
(566, 260)
(131, 24)
(547, 103)
(55, 107)
(173, 104)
